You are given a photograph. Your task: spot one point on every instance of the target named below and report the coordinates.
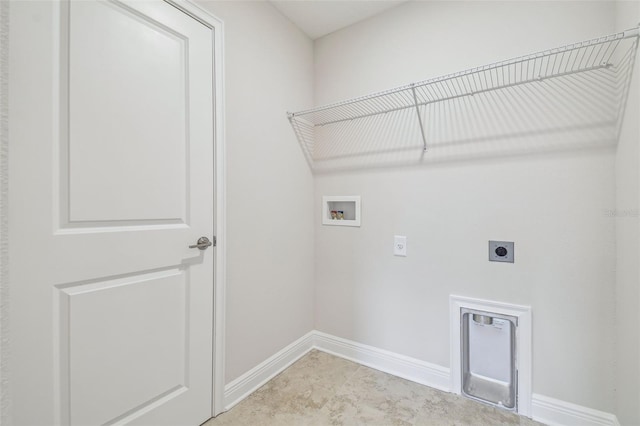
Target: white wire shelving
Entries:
(593, 74)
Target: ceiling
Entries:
(317, 18)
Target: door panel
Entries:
(128, 87)
(113, 330)
(112, 176)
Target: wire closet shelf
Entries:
(589, 56)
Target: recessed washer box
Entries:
(341, 210)
(501, 251)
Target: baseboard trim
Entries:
(252, 380)
(553, 412)
(412, 369)
(544, 409)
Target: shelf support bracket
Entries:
(415, 101)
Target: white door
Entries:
(111, 179)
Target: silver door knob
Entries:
(203, 243)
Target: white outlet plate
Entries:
(399, 245)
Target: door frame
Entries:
(219, 280)
(5, 394)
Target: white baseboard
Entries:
(249, 382)
(422, 372)
(553, 412)
(543, 409)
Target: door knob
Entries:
(203, 243)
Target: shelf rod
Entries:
(415, 100)
(448, 98)
(632, 32)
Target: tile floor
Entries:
(322, 389)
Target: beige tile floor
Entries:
(321, 389)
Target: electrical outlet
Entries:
(399, 245)
(501, 251)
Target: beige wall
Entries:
(269, 69)
(551, 205)
(627, 234)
